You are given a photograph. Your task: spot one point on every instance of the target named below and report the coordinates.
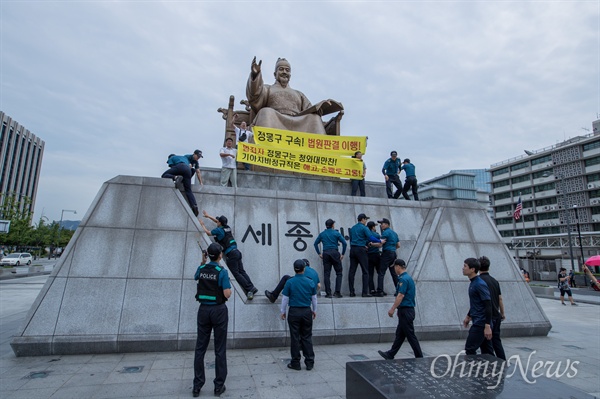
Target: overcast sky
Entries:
(114, 87)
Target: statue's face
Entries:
(283, 73)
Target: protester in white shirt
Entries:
(243, 134)
(229, 168)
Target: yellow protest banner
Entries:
(309, 142)
(300, 161)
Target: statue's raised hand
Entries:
(255, 67)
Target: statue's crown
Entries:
(280, 60)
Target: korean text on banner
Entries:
(309, 142)
(300, 161)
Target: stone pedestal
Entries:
(125, 281)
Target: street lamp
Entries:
(61, 220)
(579, 233)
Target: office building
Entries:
(483, 178)
(456, 185)
(21, 161)
(559, 188)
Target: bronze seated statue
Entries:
(281, 107)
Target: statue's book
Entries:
(323, 108)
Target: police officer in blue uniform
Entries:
(374, 256)
(212, 292)
(300, 292)
(391, 172)
(388, 254)
(233, 256)
(179, 170)
(330, 238)
(359, 239)
(308, 272)
(411, 180)
(405, 303)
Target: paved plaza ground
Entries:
(260, 373)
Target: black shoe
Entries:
(352, 294)
(338, 294)
(254, 290)
(219, 391)
(378, 294)
(291, 366)
(367, 295)
(196, 393)
(385, 355)
(309, 366)
(328, 296)
(270, 296)
(384, 293)
(372, 292)
(195, 211)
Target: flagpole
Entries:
(522, 216)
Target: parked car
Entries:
(17, 259)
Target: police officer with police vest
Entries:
(300, 292)
(212, 292)
(233, 256)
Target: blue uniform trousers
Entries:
(211, 317)
(406, 330)
(233, 259)
(410, 182)
(185, 171)
(300, 320)
(358, 256)
(393, 180)
(331, 257)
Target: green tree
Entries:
(42, 235)
(17, 211)
(65, 237)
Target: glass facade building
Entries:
(457, 185)
(21, 155)
(483, 177)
